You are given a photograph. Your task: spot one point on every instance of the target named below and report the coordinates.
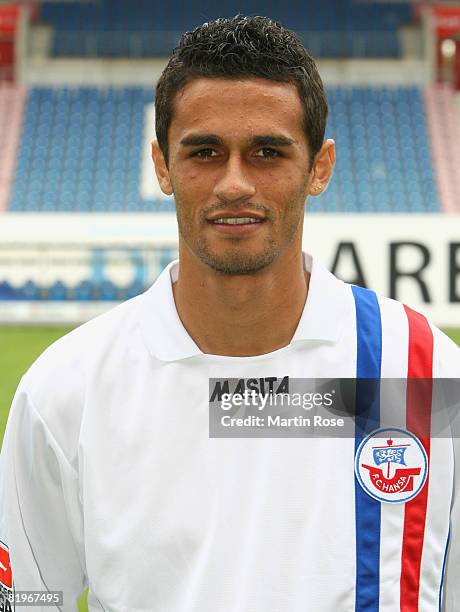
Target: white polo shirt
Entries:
(109, 476)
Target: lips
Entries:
(241, 223)
(236, 220)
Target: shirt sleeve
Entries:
(447, 359)
(41, 518)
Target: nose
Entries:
(234, 184)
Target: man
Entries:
(109, 474)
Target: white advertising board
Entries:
(413, 258)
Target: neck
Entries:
(241, 315)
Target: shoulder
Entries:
(405, 329)
(78, 352)
(446, 355)
(406, 335)
(57, 383)
(422, 337)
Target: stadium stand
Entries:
(81, 152)
(111, 28)
(384, 150)
(28, 291)
(442, 116)
(94, 283)
(12, 99)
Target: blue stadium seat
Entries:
(84, 291)
(107, 291)
(8, 292)
(30, 291)
(72, 161)
(58, 291)
(330, 28)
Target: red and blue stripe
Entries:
(418, 421)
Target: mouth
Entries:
(235, 220)
(237, 224)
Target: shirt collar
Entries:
(167, 339)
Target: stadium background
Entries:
(83, 224)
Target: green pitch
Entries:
(454, 334)
(20, 346)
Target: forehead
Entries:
(240, 106)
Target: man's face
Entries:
(239, 169)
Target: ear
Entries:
(323, 167)
(161, 169)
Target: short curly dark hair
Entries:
(243, 47)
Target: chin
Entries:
(237, 262)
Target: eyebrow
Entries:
(274, 140)
(195, 140)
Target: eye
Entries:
(205, 153)
(267, 152)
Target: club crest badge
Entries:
(391, 465)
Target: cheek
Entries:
(184, 186)
(284, 186)
(193, 181)
(192, 176)
(271, 186)
(191, 193)
(285, 177)
(292, 197)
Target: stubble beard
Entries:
(236, 259)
